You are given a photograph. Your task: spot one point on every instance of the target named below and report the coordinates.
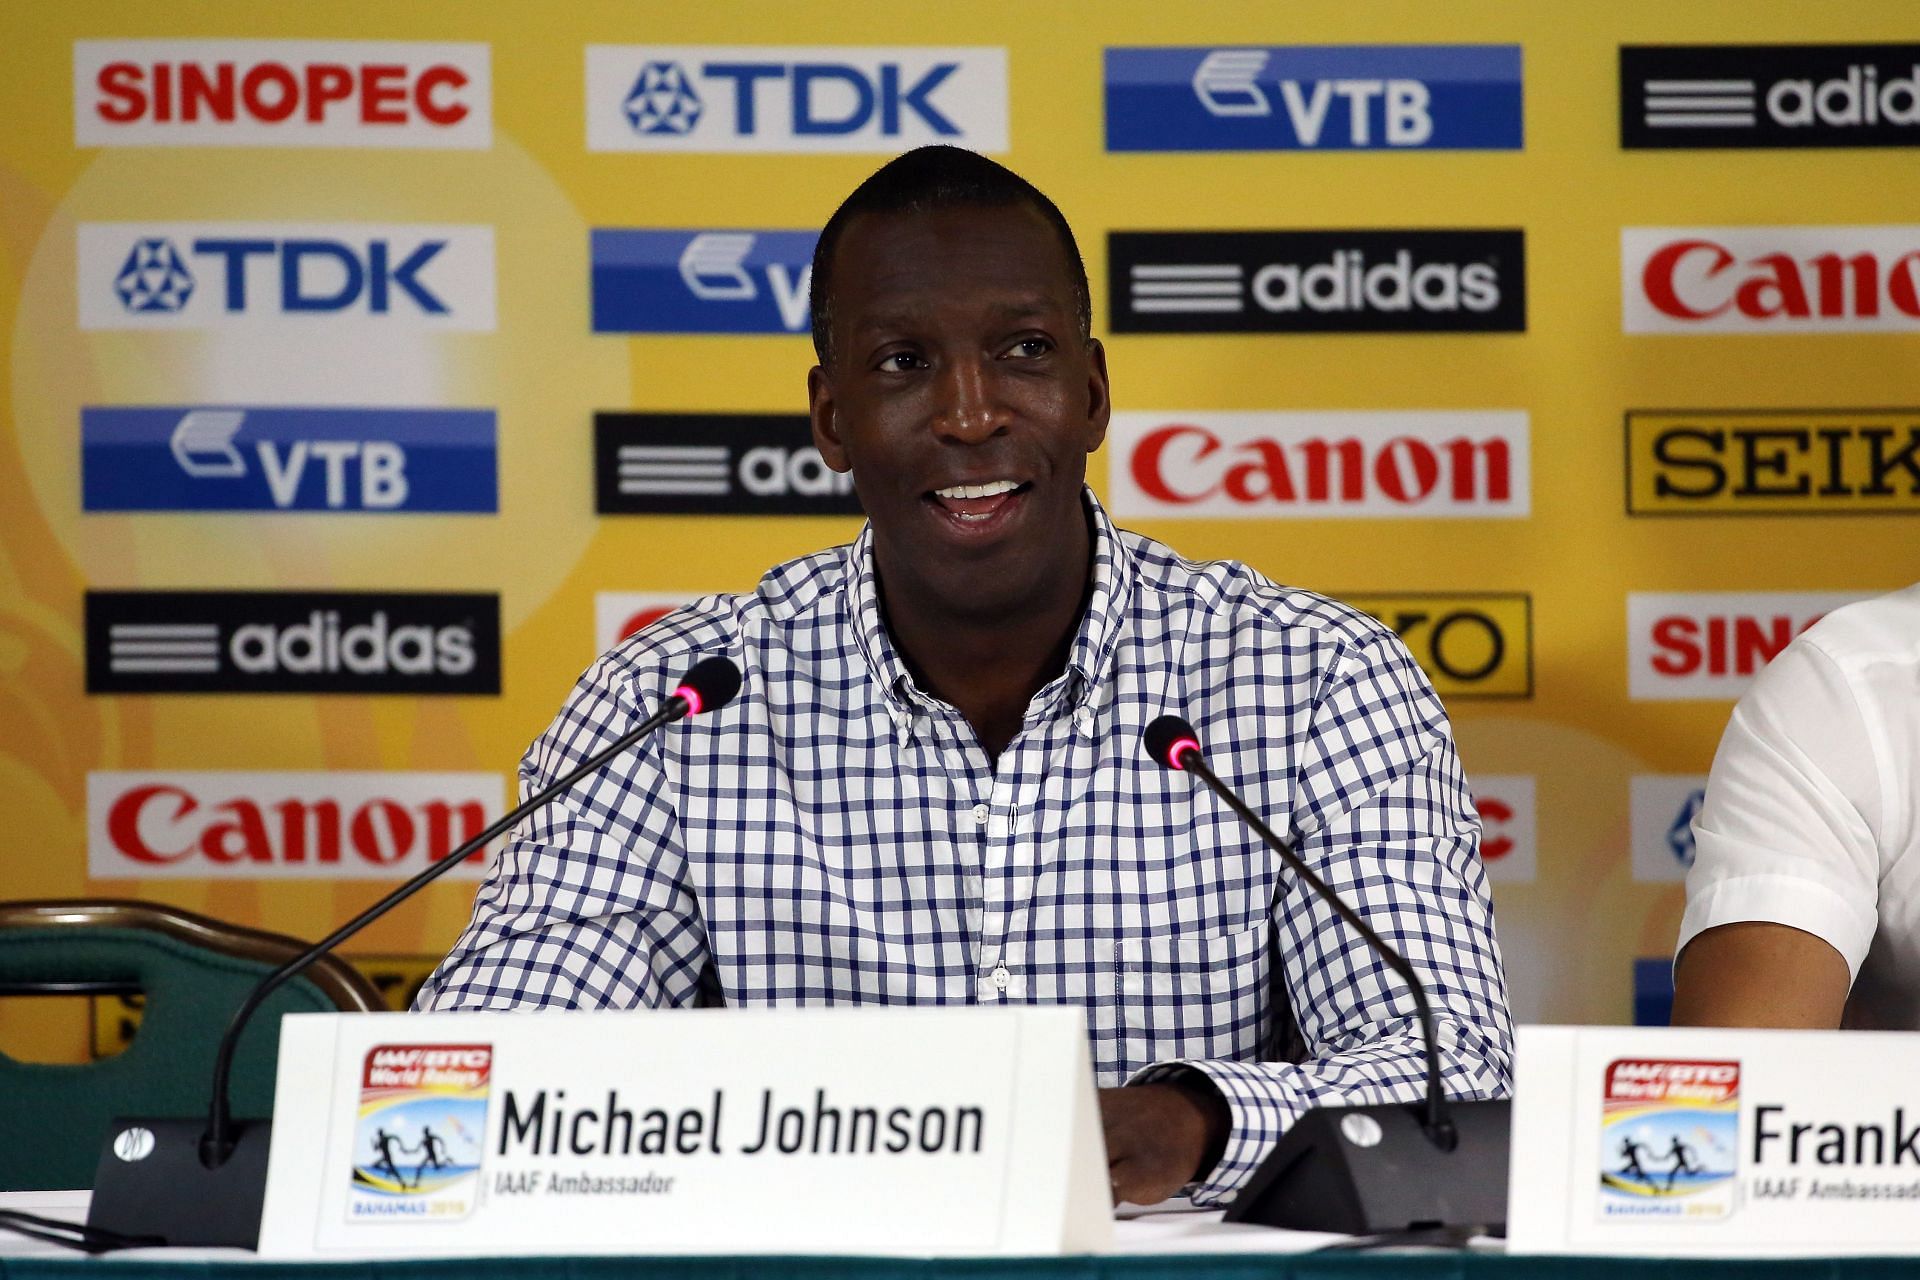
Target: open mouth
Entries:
(976, 504)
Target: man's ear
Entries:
(1099, 394)
(826, 433)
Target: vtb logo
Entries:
(287, 459)
(764, 98)
(647, 281)
(1306, 98)
(206, 275)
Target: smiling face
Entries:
(963, 399)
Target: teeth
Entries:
(991, 490)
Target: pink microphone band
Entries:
(1179, 748)
(691, 696)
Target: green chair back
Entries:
(60, 1114)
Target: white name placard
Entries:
(849, 1131)
(1691, 1140)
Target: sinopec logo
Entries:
(1663, 807)
(292, 642)
(1471, 645)
(714, 464)
(204, 275)
(1321, 465)
(281, 93)
(287, 459)
(702, 281)
(1710, 644)
(337, 825)
(1729, 462)
(767, 98)
(1372, 281)
(619, 614)
(1770, 95)
(1306, 98)
(1509, 827)
(1770, 279)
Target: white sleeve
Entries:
(1782, 835)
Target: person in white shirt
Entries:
(1803, 903)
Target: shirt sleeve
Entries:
(1785, 833)
(588, 905)
(1383, 815)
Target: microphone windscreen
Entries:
(711, 682)
(1169, 736)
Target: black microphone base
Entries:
(1371, 1170)
(168, 1193)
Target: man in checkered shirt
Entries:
(932, 789)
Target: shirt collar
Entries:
(1093, 644)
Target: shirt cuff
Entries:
(1262, 1111)
(1806, 905)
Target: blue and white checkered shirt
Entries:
(837, 836)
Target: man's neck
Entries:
(988, 668)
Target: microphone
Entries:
(190, 1185)
(1387, 1168)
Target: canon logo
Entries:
(374, 647)
(281, 93)
(1771, 279)
(1386, 464)
(1710, 645)
(338, 825)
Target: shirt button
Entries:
(980, 814)
(1001, 977)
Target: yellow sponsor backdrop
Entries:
(1558, 580)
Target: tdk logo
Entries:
(1664, 806)
(1373, 281)
(1770, 95)
(291, 642)
(211, 275)
(1314, 98)
(287, 459)
(765, 98)
(702, 281)
(714, 464)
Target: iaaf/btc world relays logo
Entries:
(420, 1132)
(1669, 1139)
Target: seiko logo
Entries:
(1319, 465)
(1712, 644)
(335, 825)
(765, 98)
(692, 464)
(1317, 281)
(1663, 807)
(1770, 279)
(702, 282)
(291, 642)
(1770, 95)
(1388, 97)
(201, 275)
(1471, 645)
(1773, 462)
(281, 93)
(174, 459)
